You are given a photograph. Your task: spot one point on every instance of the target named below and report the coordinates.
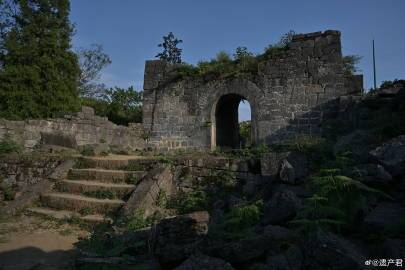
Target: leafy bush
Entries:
(238, 222)
(336, 202)
(8, 191)
(133, 180)
(221, 181)
(87, 151)
(137, 220)
(8, 146)
(187, 202)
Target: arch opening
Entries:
(232, 128)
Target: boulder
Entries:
(278, 165)
(372, 173)
(282, 207)
(325, 250)
(287, 172)
(147, 191)
(291, 259)
(383, 216)
(277, 232)
(245, 251)
(392, 155)
(178, 237)
(203, 262)
(357, 142)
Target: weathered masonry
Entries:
(290, 94)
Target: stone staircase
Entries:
(95, 189)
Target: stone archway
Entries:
(224, 122)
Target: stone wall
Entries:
(83, 128)
(291, 93)
(23, 171)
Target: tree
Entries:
(125, 105)
(92, 61)
(40, 72)
(350, 63)
(171, 53)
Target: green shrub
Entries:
(8, 191)
(8, 146)
(187, 202)
(161, 200)
(133, 180)
(238, 223)
(87, 151)
(137, 220)
(222, 181)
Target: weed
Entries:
(137, 220)
(187, 202)
(161, 199)
(8, 146)
(87, 151)
(133, 180)
(86, 211)
(8, 191)
(65, 232)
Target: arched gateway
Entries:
(291, 92)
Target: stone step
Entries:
(126, 163)
(95, 189)
(106, 176)
(68, 215)
(80, 203)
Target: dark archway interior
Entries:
(227, 125)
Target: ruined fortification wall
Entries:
(83, 128)
(290, 94)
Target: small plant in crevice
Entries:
(86, 211)
(133, 180)
(161, 199)
(87, 151)
(133, 166)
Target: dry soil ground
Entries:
(31, 242)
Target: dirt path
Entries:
(28, 242)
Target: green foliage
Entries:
(317, 213)
(389, 84)
(245, 133)
(92, 61)
(243, 63)
(137, 220)
(318, 150)
(86, 211)
(133, 180)
(87, 151)
(171, 53)
(121, 106)
(238, 222)
(187, 202)
(350, 63)
(162, 198)
(39, 72)
(8, 146)
(221, 181)
(8, 191)
(336, 201)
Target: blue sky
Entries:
(130, 30)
